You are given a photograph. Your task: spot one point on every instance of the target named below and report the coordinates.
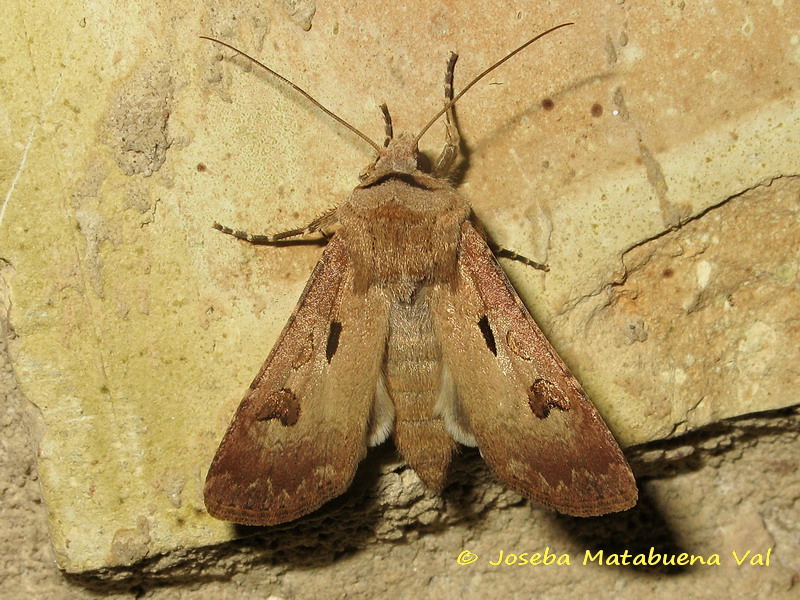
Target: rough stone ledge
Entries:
(356, 521)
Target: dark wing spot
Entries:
(544, 396)
(488, 336)
(333, 340)
(281, 405)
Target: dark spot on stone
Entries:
(548, 104)
(597, 110)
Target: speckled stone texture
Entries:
(648, 155)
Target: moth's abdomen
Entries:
(412, 370)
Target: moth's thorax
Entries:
(403, 231)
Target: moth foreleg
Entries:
(316, 226)
(450, 151)
(501, 252)
(387, 124)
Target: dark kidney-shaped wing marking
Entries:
(301, 430)
(533, 423)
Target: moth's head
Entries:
(399, 156)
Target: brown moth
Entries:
(408, 327)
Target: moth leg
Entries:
(316, 226)
(501, 252)
(387, 124)
(450, 151)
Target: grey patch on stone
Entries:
(619, 101)
(301, 12)
(611, 51)
(137, 124)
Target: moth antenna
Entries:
(298, 89)
(450, 104)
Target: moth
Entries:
(408, 327)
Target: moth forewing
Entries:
(532, 421)
(301, 430)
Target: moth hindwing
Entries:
(408, 327)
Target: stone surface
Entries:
(647, 154)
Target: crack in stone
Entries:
(688, 451)
(625, 270)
